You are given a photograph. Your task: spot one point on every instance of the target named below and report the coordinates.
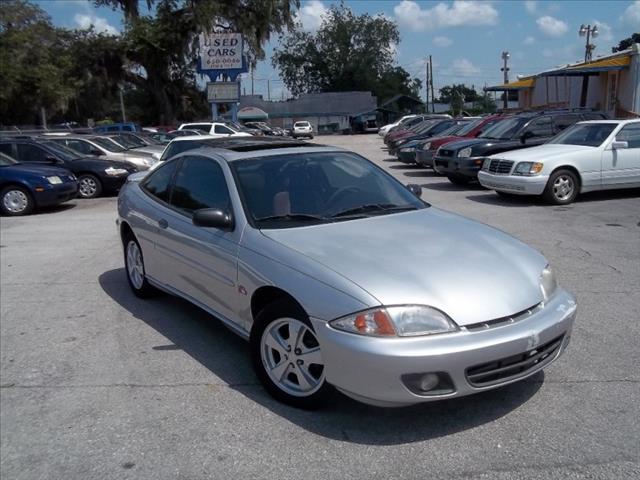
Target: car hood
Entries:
(37, 169)
(470, 142)
(471, 271)
(544, 152)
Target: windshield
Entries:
(133, 140)
(467, 127)
(588, 134)
(294, 190)
(505, 129)
(423, 127)
(61, 151)
(6, 160)
(453, 129)
(124, 141)
(108, 145)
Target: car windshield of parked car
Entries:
(587, 134)
(6, 160)
(424, 126)
(109, 145)
(133, 140)
(293, 190)
(467, 127)
(453, 129)
(61, 151)
(125, 141)
(505, 129)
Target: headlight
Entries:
(408, 149)
(465, 152)
(114, 172)
(548, 282)
(486, 163)
(426, 146)
(54, 180)
(401, 321)
(528, 168)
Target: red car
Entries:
(424, 155)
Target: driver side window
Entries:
(200, 183)
(541, 127)
(630, 134)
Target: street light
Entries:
(505, 69)
(588, 31)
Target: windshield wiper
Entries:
(294, 217)
(374, 207)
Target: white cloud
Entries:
(529, 40)
(442, 42)
(464, 68)
(632, 13)
(99, 24)
(566, 54)
(604, 31)
(310, 15)
(531, 6)
(552, 26)
(461, 12)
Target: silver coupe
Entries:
(340, 276)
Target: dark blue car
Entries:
(26, 187)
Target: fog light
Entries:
(429, 384)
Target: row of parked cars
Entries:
(557, 154)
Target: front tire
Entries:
(286, 356)
(562, 187)
(134, 266)
(89, 186)
(16, 201)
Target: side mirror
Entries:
(52, 159)
(213, 218)
(415, 189)
(525, 136)
(97, 152)
(619, 144)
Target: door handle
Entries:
(162, 223)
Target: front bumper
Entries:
(514, 184)
(369, 369)
(407, 157)
(464, 167)
(425, 157)
(56, 194)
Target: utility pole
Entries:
(124, 118)
(505, 69)
(426, 81)
(251, 79)
(588, 31)
(433, 107)
(268, 89)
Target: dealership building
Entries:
(610, 83)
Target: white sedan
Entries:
(588, 156)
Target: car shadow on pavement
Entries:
(447, 186)
(206, 340)
(422, 173)
(536, 200)
(63, 207)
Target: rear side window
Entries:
(158, 183)
(80, 146)
(563, 121)
(541, 127)
(630, 134)
(30, 153)
(6, 149)
(175, 148)
(200, 183)
(204, 127)
(222, 129)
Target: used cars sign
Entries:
(220, 51)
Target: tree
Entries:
(451, 93)
(627, 42)
(348, 52)
(162, 48)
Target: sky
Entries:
(464, 38)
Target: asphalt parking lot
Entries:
(96, 383)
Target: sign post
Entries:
(222, 54)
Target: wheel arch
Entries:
(268, 294)
(573, 170)
(125, 231)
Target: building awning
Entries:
(521, 84)
(593, 67)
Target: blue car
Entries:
(26, 187)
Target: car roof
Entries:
(630, 120)
(234, 155)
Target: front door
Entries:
(201, 262)
(621, 167)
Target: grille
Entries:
(500, 166)
(513, 367)
(500, 322)
(445, 153)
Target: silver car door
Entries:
(628, 158)
(202, 261)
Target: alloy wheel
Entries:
(135, 267)
(87, 187)
(563, 187)
(290, 353)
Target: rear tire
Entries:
(562, 187)
(290, 369)
(134, 268)
(16, 201)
